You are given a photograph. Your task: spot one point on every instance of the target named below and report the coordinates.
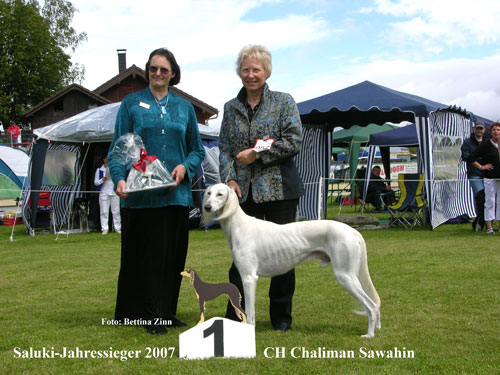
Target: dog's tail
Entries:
(365, 279)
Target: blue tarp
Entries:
(404, 136)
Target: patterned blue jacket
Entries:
(274, 176)
(173, 138)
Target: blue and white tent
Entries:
(440, 130)
(13, 171)
(405, 136)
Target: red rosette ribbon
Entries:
(141, 164)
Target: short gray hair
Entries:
(258, 52)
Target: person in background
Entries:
(267, 183)
(378, 192)
(474, 174)
(487, 158)
(14, 132)
(155, 223)
(107, 198)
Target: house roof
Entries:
(116, 80)
(63, 92)
(202, 105)
(97, 93)
(134, 69)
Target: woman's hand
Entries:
(234, 185)
(178, 174)
(121, 186)
(247, 156)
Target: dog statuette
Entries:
(206, 292)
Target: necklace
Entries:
(163, 108)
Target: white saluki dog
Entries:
(262, 248)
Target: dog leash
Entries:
(230, 167)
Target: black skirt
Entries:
(154, 249)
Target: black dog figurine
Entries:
(205, 292)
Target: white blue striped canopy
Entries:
(448, 195)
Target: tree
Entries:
(35, 48)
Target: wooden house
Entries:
(76, 98)
(63, 104)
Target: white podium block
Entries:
(218, 337)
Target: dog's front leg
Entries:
(202, 309)
(249, 288)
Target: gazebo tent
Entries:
(367, 103)
(65, 157)
(398, 137)
(360, 134)
(405, 136)
(363, 104)
(354, 137)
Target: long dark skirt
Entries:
(154, 249)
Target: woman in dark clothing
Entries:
(487, 158)
(267, 183)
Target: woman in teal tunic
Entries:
(155, 223)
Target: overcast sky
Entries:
(444, 50)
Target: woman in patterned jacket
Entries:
(267, 182)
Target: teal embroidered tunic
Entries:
(172, 136)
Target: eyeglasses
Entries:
(163, 71)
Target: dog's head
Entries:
(219, 202)
(188, 273)
(81, 205)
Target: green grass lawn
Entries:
(439, 289)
